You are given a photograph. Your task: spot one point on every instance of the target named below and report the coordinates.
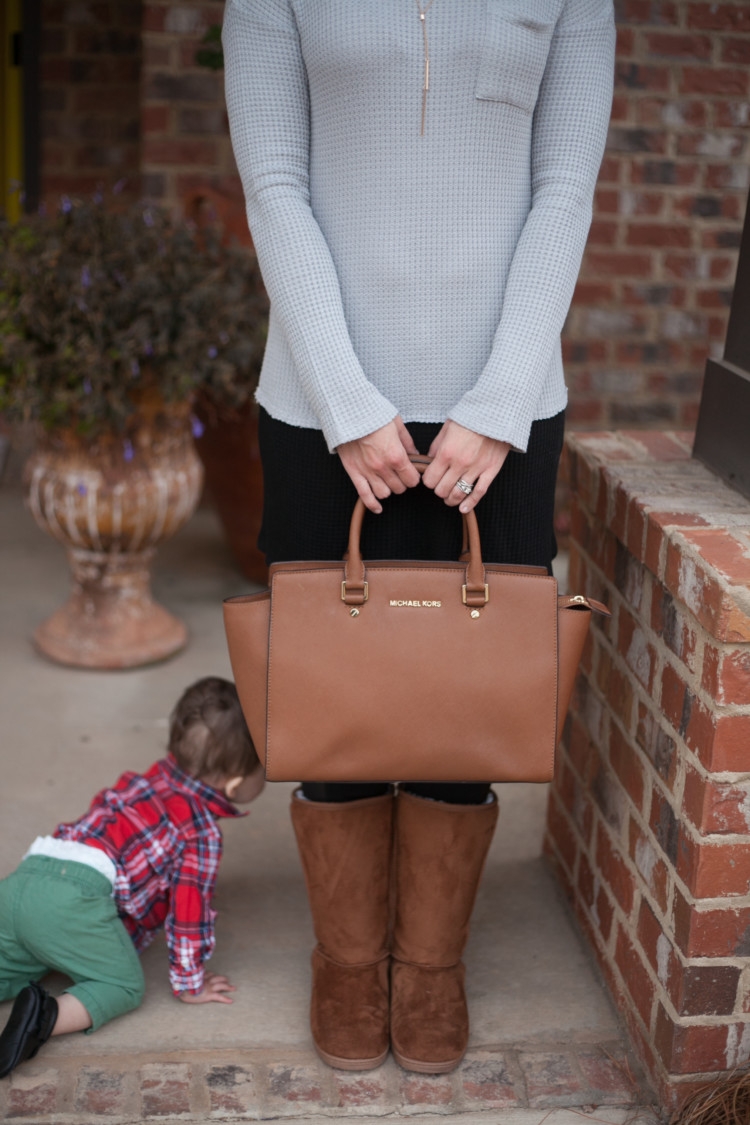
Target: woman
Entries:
(418, 177)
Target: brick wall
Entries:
(649, 815)
(90, 92)
(652, 300)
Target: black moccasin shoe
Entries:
(32, 1018)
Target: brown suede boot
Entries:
(346, 848)
(440, 851)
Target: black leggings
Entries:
(308, 501)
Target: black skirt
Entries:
(308, 502)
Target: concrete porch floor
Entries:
(544, 1034)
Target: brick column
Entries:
(89, 73)
(186, 144)
(649, 815)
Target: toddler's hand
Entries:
(214, 988)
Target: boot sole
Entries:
(351, 1064)
(418, 1066)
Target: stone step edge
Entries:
(200, 1085)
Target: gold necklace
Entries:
(426, 82)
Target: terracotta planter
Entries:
(228, 448)
(110, 502)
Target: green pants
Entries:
(57, 914)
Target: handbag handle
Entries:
(474, 592)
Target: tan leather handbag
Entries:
(407, 671)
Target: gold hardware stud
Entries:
(354, 612)
(475, 613)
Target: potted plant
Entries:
(111, 323)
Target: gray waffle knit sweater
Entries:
(423, 275)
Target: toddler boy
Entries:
(88, 899)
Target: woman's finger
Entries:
(468, 503)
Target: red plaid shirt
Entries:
(160, 832)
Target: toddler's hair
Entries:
(207, 731)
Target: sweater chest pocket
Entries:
(514, 53)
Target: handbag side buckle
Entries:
(465, 596)
(355, 597)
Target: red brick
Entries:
(614, 871)
(717, 807)
(705, 990)
(610, 169)
(714, 870)
(634, 646)
(369, 1089)
(705, 595)
(627, 765)
(725, 81)
(693, 1048)
(609, 1077)
(701, 932)
(426, 1089)
(32, 1096)
(165, 1089)
(635, 975)
(669, 623)
(674, 45)
(722, 551)
(658, 745)
(100, 1092)
(619, 264)
(487, 1082)
(155, 118)
(636, 76)
(170, 151)
(672, 697)
(562, 836)
(603, 913)
(726, 675)
(551, 1079)
(662, 111)
(602, 233)
(659, 234)
(295, 1084)
(667, 172)
(728, 750)
(650, 867)
(718, 17)
(153, 17)
(647, 11)
(232, 1090)
(658, 947)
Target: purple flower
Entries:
(148, 348)
(85, 277)
(196, 426)
(148, 218)
(98, 197)
(212, 352)
(127, 450)
(82, 490)
(117, 188)
(65, 205)
(135, 368)
(87, 386)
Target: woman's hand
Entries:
(379, 464)
(214, 989)
(460, 454)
